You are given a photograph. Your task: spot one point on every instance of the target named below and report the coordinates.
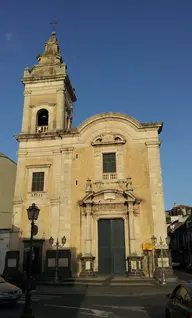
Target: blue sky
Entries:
(131, 56)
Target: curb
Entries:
(111, 295)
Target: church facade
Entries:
(99, 185)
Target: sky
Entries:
(130, 56)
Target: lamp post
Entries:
(163, 278)
(57, 245)
(154, 242)
(33, 213)
(167, 240)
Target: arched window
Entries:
(42, 120)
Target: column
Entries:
(83, 228)
(156, 189)
(131, 228)
(26, 107)
(135, 262)
(60, 109)
(87, 260)
(88, 236)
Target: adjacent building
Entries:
(179, 228)
(177, 213)
(7, 186)
(99, 184)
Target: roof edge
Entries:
(132, 120)
(2, 155)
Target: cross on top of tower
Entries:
(53, 23)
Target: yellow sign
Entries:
(147, 247)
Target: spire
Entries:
(52, 53)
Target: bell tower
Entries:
(48, 93)
(47, 118)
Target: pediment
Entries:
(109, 196)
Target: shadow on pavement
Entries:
(50, 302)
(68, 304)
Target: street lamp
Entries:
(33, 213)
(57, 245)
(168, 241)
(163, 279)
(154, 242)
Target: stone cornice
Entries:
(22, 153)
(67, 149)
(38, 136)
(48, 135)
(108, 203)
(43, 104)
(60, 90)
(56, 151)
(55, 200)
(17, 201)
(157, 125)
(27, 92)
(44, 78)
(153, 143)
(43, 165)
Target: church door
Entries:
(111, 246)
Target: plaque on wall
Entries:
(134, 265)
(12, 262)
(109, 196)
(165, 262)
(63, 262)
(51, 262)
(88, 265)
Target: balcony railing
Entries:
(41, 129)
(109, 176)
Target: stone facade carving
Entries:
(108, 138)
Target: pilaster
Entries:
(55, 218)
(98, 161)
(55, 198)
(19, 192)
(60, 109)
(138, 243)
(88, 231)
(83, 229)
(131, 228)
(120, 162)
(26, 108)
(87, 260)
(56, 173)
(66, 202)
(156, 189)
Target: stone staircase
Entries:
(108, 280)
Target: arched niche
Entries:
(42, 120)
